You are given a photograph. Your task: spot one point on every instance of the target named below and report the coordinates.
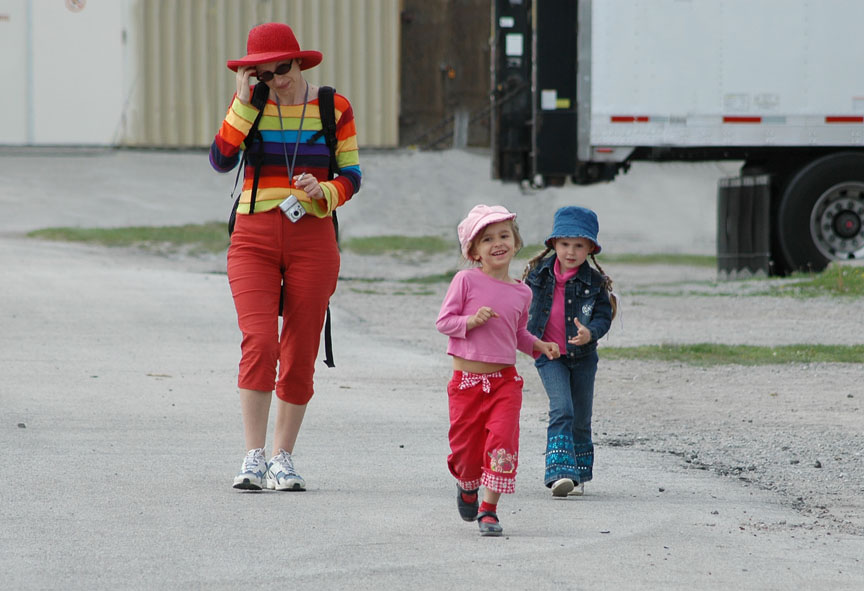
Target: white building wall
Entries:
(152, 73)
(15, 113)
(68, 68)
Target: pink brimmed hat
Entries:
(478, 218)
(274, 42)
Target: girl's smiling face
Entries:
(572, 252)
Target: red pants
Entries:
(267, 249)
(484, 429)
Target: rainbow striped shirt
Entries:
(312, 158)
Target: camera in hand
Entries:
(292, 208)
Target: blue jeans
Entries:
(569, 384)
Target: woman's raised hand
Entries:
(243, 92)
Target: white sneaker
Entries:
(562, 487)
(281, 474)
(578, 491)
(252, 472)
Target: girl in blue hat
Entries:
(573, 306)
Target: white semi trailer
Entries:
(582, 88)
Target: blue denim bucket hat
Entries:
(575, 222)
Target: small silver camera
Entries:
(292, 208)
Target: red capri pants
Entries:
(267, 249)
(484, 428)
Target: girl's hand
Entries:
(550, 350)
(583, 335)
(243, 75)
(309, 184)
(481, 317)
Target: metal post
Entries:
(460, 128)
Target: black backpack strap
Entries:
(327, 111)
(232, 218)
(328, 341)
(328, 126)
(255, 179)
(259, 101)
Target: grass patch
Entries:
(422, 280)
(691, 260)
(445, 277)
(835, 280)
(529, 251)
(213, 237)
(706, 354)
(378, 245)
(689, 293)
(195, 238)
(414, 293)
(396, 291)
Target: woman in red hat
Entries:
(283, 239)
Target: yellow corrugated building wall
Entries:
(182, 88)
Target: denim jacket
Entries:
(584, 298)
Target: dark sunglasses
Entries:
(280, 70)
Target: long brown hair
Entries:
(535, 261)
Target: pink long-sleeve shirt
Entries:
(498, 339)
(556, 328)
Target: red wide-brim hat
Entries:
(274, 42)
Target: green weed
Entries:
(378, 245)
(196, 238)
(708, 354)
(835, 280)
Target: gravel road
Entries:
(733, 473)
(797, 430)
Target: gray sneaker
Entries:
(281, 474)
(251, 476)
(562, 487)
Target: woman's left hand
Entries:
(309, 184)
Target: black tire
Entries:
(821, 213)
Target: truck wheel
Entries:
(821, 213)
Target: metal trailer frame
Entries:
(812, 154)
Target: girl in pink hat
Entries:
(283, 245)
(485, 314)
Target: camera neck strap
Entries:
(290, 166)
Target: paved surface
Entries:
(120, 431)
